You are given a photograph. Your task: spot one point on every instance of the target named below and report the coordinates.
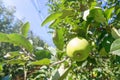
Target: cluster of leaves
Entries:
(19, 51)
(27, 61)
(8, 24)
(92, 20)
(89, 19)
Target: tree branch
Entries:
(58, 62)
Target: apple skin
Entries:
(78, 49)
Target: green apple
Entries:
(78, 49)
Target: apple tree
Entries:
(96, 21)
(86, 35)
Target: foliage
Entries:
(98, 22)
(16, 46)
(95, 20)
(26, 60)
(8, 24)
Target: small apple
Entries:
(78, 49)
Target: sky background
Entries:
(27, 11)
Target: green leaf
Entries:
(44, 61)
(57, 16)
(118, 11)
(25, 29)
(20, 40)
(103, 52)
(118, 14)
(58, 38)
(42, 54)
(92, 3)
(12, 54)
(60, 73)
(54, 23)
(16, 61)
(66, 12)
(107, 41)
(108, 12)
(115, 47)
(1, 67)
(17, 40)
(3, 37)
(97, 15)
(51, 18)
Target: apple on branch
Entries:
(78, 49)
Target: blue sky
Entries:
(26, 11)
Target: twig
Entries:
(25, 73)
(28, 54)
(59, 62)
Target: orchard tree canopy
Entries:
(98, 22)
(86, 34)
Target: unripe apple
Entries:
(78, 49)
